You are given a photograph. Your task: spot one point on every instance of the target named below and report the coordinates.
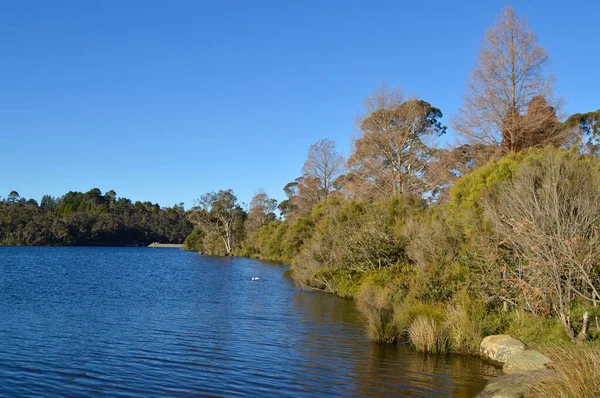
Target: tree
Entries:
(13, 198)
(48, 201)
(511, 75)
(448, 165)
(287, 207)
(261, 212)
(323, 165)
(218, 214)
(394, 151)
(586, 128)
(110, 197)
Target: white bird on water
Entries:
(255, 278)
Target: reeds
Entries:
(578, 372)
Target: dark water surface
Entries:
(138, 322)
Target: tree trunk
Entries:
(566, 326)
(584, 327)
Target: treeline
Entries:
(89, 218)
(441, 247)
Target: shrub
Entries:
(547, 215)
(194, 240)
(535, 331)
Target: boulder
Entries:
(524, 361)
(516, 385)
(499, 348)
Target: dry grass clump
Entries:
(374, 303)
(463, 324)
(428, 335)
(578, 369)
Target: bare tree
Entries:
(323, 166)
(549, 215)
(450, 164)
(261, 212)
(391, 156)
(511, 71)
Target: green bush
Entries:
(194, 240)
(535, 331)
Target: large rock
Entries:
(499, 348)
(524, 361)
(516, 385)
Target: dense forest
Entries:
(89, 218)
(443, 246)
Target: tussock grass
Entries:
(578, 369)
(428, 335)
(464, 324)
(374, 303)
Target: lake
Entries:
(139, 322)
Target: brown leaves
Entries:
(511, 75)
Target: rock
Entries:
(524, 361)
(515, 385)
(499, 348)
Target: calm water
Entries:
(138, 322)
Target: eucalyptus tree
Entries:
(220, 215)
(586, 128)
(394, 151)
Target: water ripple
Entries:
(126, 322)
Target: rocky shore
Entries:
(522, 368)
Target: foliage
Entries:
(394, 151)
(194, 240)
(89, 218)
(586, 128)
(535, 331)
(261, 212)
(548, 216)
(221, 218)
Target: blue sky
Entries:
(163, 101)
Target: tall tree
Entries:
(323, 165)
(13, 197)
(49, 201)
(218, 214)
(261, 211)
(511, 72)
(395, 148)
(586, 129)
(288, 207)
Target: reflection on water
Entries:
(383, 369)
(163, 322)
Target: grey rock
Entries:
(516, 385)
(524, 361)
(499, 348)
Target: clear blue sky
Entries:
(166, 100)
